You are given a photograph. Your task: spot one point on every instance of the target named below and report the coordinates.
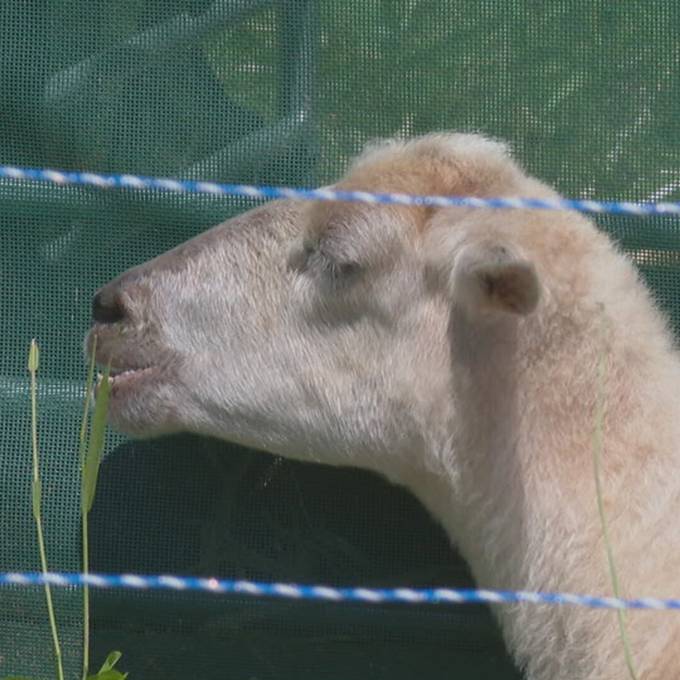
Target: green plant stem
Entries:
(91, 449)
(598, 445)
(84, 515)
(86, 600)
(33, 368)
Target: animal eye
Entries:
(343, 273)
(348, 269)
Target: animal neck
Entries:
(528, 394)
(488, 518)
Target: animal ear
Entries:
(491, 277)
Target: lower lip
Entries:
(121, 380)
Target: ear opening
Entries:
(488, 278)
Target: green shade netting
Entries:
(587, 92)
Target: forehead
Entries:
(434, 165)
(401, 172)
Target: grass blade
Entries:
(89, 385)
(598, 446)
(96, 444)
(82, 449)
(90, 460)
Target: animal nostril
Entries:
(107, 307)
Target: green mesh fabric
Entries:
(587, 92)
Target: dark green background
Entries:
(588, 94)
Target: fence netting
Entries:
(283, 93)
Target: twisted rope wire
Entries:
(318, 592)
(328, 593)
(105, 181)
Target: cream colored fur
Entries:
(456, 352)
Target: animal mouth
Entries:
(126, 378)
(142, 374)
(127, 369)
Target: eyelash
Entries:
(340, 274)
(346, 269)
(314, 258)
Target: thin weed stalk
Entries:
(598, 446)
(84, 523)
(33, 364)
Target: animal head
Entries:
(322, 329)
(459, 351)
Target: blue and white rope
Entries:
(62, 177)
(328, 593)
(292, 591)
